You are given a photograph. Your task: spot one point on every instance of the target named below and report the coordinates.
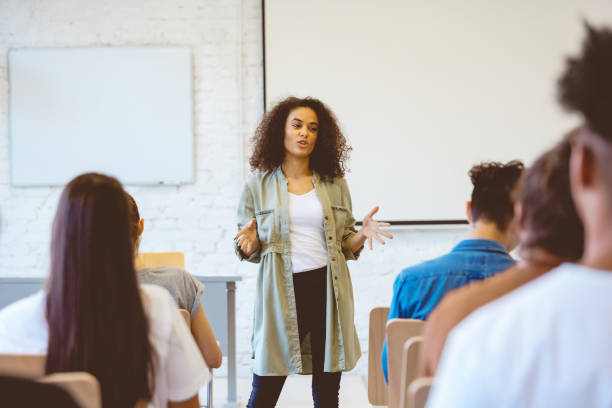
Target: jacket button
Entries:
(326, 218)
(333, 259)
(335, 277)
(330, 238)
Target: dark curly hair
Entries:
(549, 213)
(493, 195)
(586, 84)
(331, 149)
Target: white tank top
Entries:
(306, 231)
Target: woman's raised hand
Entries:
(371, 229)
(248, 242)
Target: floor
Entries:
(296, 392)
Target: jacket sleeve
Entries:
(246, 212)
(349, 225)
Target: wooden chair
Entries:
(152, 259)
(398, 331)
(186, 316)
(410, 362)
(377, 388)
(83, 387)
(22, 365)
(418, 392)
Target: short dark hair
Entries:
(493, 194)
(549, 215)
(586, 84)
(331, 150)
(96, 319)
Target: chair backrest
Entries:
(377, 388)
(83, 387)
(153, 259)
(418, 391)
(22, 365)
(398, 331)
(410, 362)
(186, 316)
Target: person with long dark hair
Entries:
(94, 317)
(295, 220)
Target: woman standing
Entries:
(295, 220)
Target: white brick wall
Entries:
(225, 36)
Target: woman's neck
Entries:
(296, 168)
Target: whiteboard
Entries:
(425, 89)
(126, 112)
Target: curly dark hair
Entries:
(586, 84)
(494, 195)
(549, 213)
(331, 149)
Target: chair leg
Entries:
(209, 394)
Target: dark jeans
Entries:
(310, 297)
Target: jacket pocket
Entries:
(340, 215)
(266, 224)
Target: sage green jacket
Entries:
(275, 340)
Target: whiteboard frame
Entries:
(188, 144)
(455, 223)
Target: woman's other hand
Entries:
(372, 229)
(248, 242)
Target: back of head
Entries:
(586, 84)
(493, 193)
(95, 314)
(549, 216)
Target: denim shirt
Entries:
(275, 340)
(418, 289)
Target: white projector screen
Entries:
(126, 112)
(424, 90)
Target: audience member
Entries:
(94, 317)
(550, 233)
(548, 342)
(419, 288)
(183, 287)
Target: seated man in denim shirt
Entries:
(418, 289)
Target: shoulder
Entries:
(23, 325)
(427, 269)
(260, 179)
(26, 306)
(520, 327)
(166, 272)
(336, 183)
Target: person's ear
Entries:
(582, 168)
(468, 211)
(518, 220)
(140, 227)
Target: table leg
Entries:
(232, 400)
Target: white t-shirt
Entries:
(546, 344)
(306, 232)
(181, 370)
